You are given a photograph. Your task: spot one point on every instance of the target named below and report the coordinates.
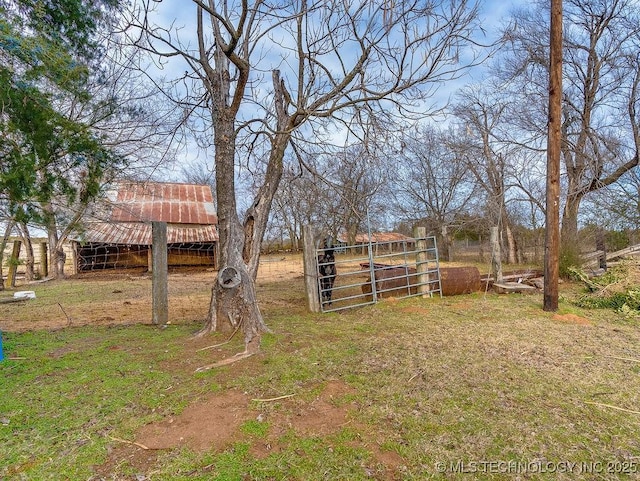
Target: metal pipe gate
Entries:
(358, 275)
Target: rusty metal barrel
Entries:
(391, 281)
(459, 280)
(400, 281)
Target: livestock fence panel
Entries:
(362, 274)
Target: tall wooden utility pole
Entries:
(552, 238)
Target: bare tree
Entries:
(433, 181)
(341, 191)
(600, 127)
(617, 206)
(304, 197)
(480, 114)
(359, 179)
(326, 62)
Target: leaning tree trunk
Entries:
(512, 245)
(28, 246)
(234, 304)
(3, 246)
(57, 255)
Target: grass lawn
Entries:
(480, 386)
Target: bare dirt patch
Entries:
(210, 425)
(572, 319)
(214, 425)
(323, 415)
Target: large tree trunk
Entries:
(512, 246)
(3, 246)
(57, 257)
(569, 230)
(29, 274)
(446, 249)
(234, 303)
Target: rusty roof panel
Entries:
(138, 233)
(164, 202)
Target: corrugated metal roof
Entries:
(139, 233)
(164, 202)
(126, 216)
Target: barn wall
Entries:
(38, 268)
(118, 256)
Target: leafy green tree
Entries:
(47, 52)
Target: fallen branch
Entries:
(222, 343)
(273, 398)
(226, 362)
(612, 407)
(625, 358)
(214, 346)
(129, 442)
(65, 313)
(7, 300)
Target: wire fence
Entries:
(123, 296)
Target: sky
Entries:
(499, 8)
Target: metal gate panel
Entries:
(362, 274)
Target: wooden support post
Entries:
(310, 268)
(496, 255)
(44, 260)
(601, 247)
(422, 260)
(74, 258)
(150, 259)
(159, 279)
(13, 263)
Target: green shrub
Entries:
(609, 291)
(570, 258)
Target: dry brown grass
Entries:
(474, 378)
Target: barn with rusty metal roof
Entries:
(120, 236)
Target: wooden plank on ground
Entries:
(631, 250)
(513, 288)
(627, 251)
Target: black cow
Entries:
(326, 270)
